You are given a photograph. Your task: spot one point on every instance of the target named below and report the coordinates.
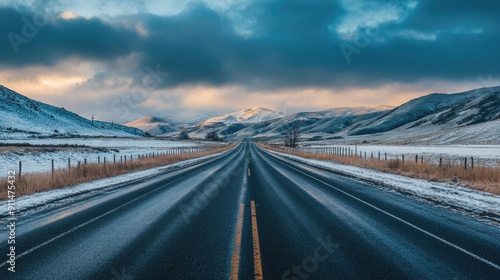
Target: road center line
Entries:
(256, 247)
(235, 262)
(490, 263)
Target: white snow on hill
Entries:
(21, 116)
(153, 125)
(252, 115)
(354, 111)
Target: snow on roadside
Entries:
(102, 142)
(40, 199)
(486, 155)
(35, 159)
(473, 203)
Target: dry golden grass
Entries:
(38, 182)
(481, 178)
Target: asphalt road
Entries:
(250, 214)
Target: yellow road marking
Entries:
(248, 172)
(235, 262)
(256, 247)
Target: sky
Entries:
(121, 60)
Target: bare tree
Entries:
(184, 135)
(212, 136)
(291, 135)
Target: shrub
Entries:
(184, 135)
(212, 136)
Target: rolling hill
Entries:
(24, 117)
(436, 118)
(421, 120)
(252, 115)
(153, 125)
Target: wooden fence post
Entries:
(472, 162)
(52, 167)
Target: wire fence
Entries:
(76, 161)
(435, 159)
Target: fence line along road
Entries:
(53, 165)
(465, 162)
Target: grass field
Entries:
(481, 178)
(38, 182)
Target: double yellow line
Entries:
(237, 245)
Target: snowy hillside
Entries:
(341, 112)
(153, 125)
(328, 121)
(252, 115)
(23, 117)
(439, 111)
(187, 117)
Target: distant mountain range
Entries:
(422, 120)
(24, 117)
(252, 115)
(437, 118)
(154, 125)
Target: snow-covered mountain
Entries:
(187, 117)
(437, 117)
(252, 115)
(427, 117)
(438, 111)
(329, 121)
(153, 125)
(340, 112)
(22, 116)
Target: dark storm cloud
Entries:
(430, 15)
(200, 46)
(289, 43)
(42, 39)
(466, 45)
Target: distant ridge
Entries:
(252, 115)
(25, 116)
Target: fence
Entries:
(53, 165)
(439, 160)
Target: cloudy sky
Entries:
(126, 59)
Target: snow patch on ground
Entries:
(485, 155)
(472, 203)
(40, 160)
(38, 200)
